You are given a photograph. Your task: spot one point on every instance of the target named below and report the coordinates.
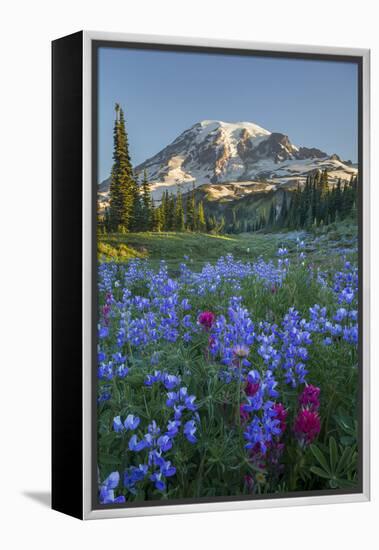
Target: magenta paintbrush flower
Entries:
(307, 425)
(309, 397)
(206, 319)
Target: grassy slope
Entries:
(321, 245)
(172, 247)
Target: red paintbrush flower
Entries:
(307, 425)
(206, 319)
(309, 397)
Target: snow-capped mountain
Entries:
(230, 155)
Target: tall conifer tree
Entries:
(157, 218)
(201, 224)
(170, 220)
(179, 212)
(324, 183)
(164, 211)
(190, 210)
(283, 212)
(146, 203)
(122, 187)
(272, 215)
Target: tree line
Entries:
(314, 204)
(182, 213)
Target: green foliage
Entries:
(347, 427)
(157, 218)
(318, 204)
(201, 224)
(336, 463)
(190, 211)
(123, 187)
(147, 205)
(283, 216)
(179, 224)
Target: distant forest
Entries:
(132, 208)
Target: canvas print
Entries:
(227, 276)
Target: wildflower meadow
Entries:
(227, 374)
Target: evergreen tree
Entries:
(99, 217)
(122, 186)
(294, 209)
(282, 220)
(231, 227)
(146, 203)
(107, 224)
(201, 225)
(179, 213)
(324, 183)
(136, 222)
(262, 220)
(272, 215)
(316, 198)
(170, 213)
(115, 202)
(165, 211)
(129, 186)
(220, 225)
(211, 224)
(309, 219)
(336, 201)
(157, 217)
(303, 203)
(190, 211)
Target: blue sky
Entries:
(164, 93)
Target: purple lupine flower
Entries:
(173, 428)
(164, 443)
(135, 445)
(107, 490)
(190, 430)
(131, 422)
(170, 381)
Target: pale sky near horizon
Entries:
(163, 93)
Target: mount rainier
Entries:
(232, 160)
